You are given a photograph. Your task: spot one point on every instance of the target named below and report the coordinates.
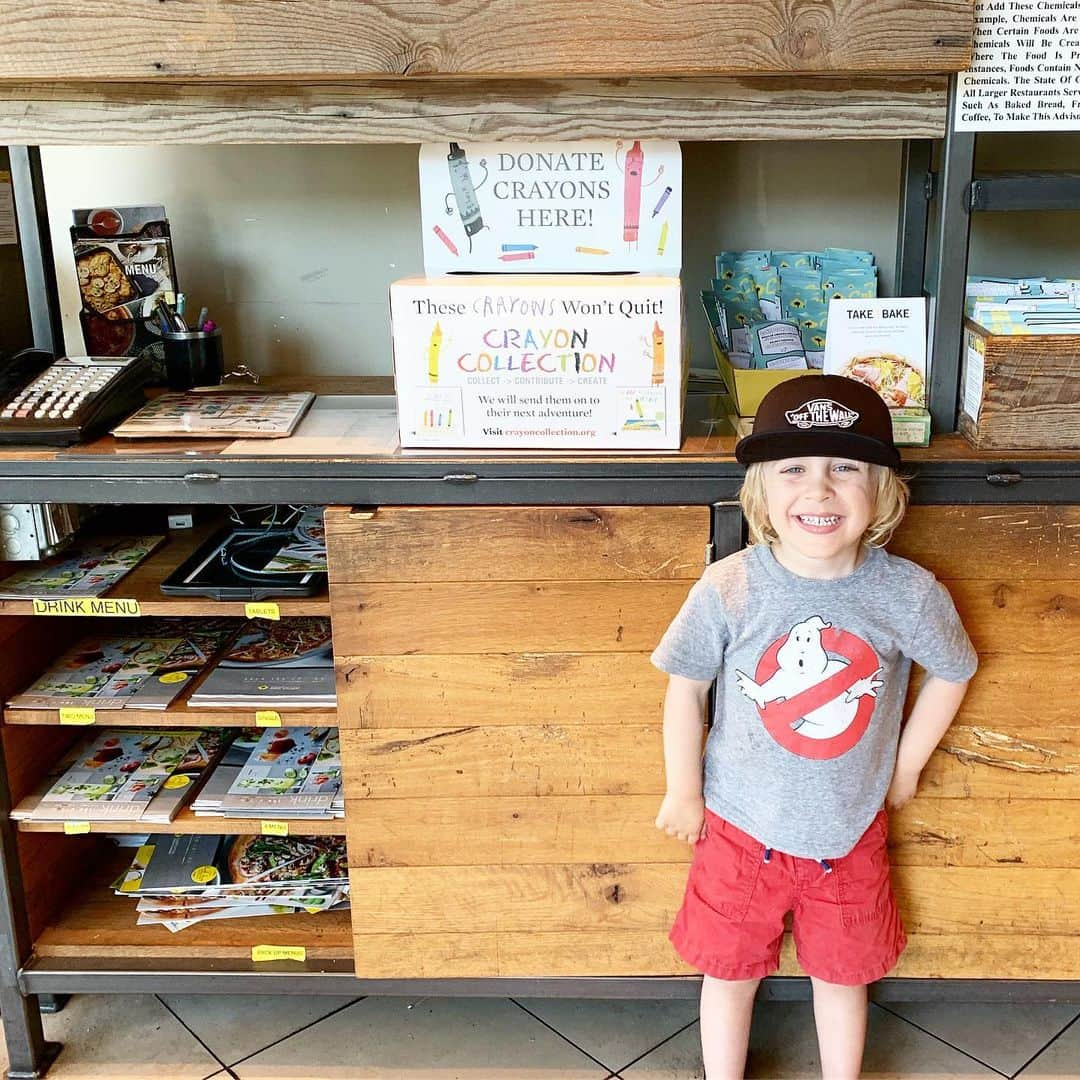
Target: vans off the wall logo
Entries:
(821, 412)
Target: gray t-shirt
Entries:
(812, 676)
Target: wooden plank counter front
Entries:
(503, 761)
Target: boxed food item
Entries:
(538, 362)
(123, 262)
(1020, 391)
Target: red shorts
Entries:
(846, 926)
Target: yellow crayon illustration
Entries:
(434, 345)
(662, 243)
(592, 251)
(657, 355)
(637, 407)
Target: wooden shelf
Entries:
(99, 929)
(187, 822)
(144, 584)
(179, 715)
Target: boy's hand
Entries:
(682, 817)
(902, 789)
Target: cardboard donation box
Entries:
(594, 206)
(536, 362)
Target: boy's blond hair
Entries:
(888, 495)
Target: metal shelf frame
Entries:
(939, 258)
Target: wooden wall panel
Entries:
(253, 39)
(525, 830)
(503, 617)
(517, 543)
(1019, 617)
(648, 952)
(513, 688)
(462, 110)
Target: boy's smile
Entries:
(820, 507)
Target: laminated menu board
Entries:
(123, 263)
(539, 361)
(595, 206)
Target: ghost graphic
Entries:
(803, 663)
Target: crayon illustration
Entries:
(657, 355)
(520, 247)
(445, 239)
(592, 251)
(517, 256)
(635, 160)
(637, 407)
(464, 191)
(660, 202)
(662, 242)
(434, 345)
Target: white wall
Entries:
(293, 248)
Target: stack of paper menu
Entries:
(86, 570)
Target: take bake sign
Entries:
(597, 206)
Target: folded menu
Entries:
(271, 664)
(86, 570)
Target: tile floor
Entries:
(128, 1037)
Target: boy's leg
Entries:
(726, 1006)
(840, 1019)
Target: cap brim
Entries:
(775, 446)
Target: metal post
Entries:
(951, 254)
(35, 242)
(29, 1056)
(915, 187)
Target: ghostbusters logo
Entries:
(815, 689)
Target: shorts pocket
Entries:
(727, 875)
(863, 885)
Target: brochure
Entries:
(290, 772)
(285, 663)
(117, 776)
(88, 570)
(307, 551)
(217, 414)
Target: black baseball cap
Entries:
(819, 416)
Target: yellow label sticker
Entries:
(176, 782)
(77, 714)
(203, 875)
(278, 952)
(267, 718)
(173, 677)
(76, 828)
(85, 605)
(262, 611)
(275, 828)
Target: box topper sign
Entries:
(595, 206)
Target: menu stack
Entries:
(127, 774)
(289, 663)
(182, 880)
(287, 773)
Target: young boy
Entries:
(809, 634)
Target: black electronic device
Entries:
(229, 566)
(50, 402)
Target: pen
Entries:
(204, 313)
(181, 302)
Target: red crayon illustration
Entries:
(518, 256)
(635, 161)
(445, 239)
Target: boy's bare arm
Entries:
(930, 718)
(682, 813)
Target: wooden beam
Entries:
(69, 113)
(127, 40)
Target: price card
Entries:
(77, 714)
(85, 605)
(275, 828)
(267, 718)
(263, 611)
(260, 953)
(76, 828)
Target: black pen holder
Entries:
(193, 358)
